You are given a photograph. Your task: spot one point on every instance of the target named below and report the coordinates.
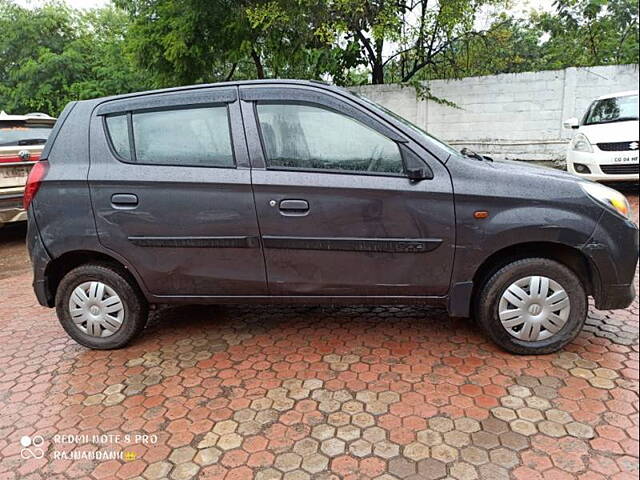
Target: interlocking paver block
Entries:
(444, 453)
(416, 451)
(474, 455)
(441, 424)
(360, 448)
(287, 461)
(402, 467)
(315, 463)
(432, 469)
(307, 393)
(463, 471)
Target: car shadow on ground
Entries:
(398, 323)
(13, 251)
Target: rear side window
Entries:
(312, 138)
(119, 136)
(186, 137)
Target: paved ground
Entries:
(312, 393)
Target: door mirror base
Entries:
(415, 168)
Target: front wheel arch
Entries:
(570, 257)
(463, 294)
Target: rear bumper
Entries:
(11, 207)
(39, 260)
(613, 253)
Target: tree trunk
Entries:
(258, 63)
(377, 70)
(377, 73)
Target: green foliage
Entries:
(590, 32)
(52, 55)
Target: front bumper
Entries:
(611, 161)
(612, 251)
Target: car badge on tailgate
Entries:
(24, 155)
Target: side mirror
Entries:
(572, 122)
(417, 174)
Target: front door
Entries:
(171, 190)
(337, 213)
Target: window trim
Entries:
(322, 170)
(134, 158)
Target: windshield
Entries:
(412, 126)
(17, 133)
(610, 110)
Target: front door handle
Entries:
(294, 207)
(124, 200)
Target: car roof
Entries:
(618, 94)
(35, 117)
(270, 82)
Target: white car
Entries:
(605, 146)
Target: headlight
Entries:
(580, 143)
(609, 197)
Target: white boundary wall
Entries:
(515, 115)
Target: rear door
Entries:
(171, 191)
(338, 215)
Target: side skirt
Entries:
(298, 299)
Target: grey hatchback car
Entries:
(299, 192)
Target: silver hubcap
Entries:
(96, 309)
(534, 308)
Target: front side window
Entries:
(188, 137)
(308, 137)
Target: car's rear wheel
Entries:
(532, 306)
(99, 307)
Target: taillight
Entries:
(34, 180)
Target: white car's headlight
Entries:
(580, 143)
(609, 197)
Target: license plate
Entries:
(625, 159)
(13, 172)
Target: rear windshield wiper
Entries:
(26, 141)
(471, 154)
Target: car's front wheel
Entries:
(532, 306)
(99, 307)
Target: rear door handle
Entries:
(124, 200)
(294, 207)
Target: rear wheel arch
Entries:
(63, 264)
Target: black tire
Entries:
(135, 306)
(491, 291)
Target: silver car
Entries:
(22, 138)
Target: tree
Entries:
(590, 32)
(190, 41)
(53, 54)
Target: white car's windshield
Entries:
(608, 110)
(412, 126)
